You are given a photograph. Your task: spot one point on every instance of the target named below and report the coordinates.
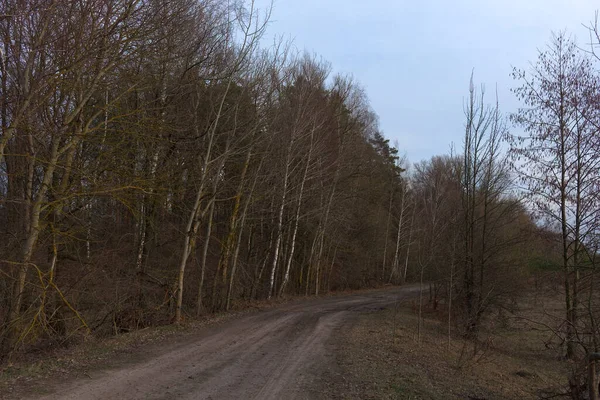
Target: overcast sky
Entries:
(414, 58)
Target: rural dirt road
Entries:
(275, 354)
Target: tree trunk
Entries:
(410, 231)
(279, 230)
(195, 216)
(297, 220)
(385, 237)
(205, 247)
(398, 235)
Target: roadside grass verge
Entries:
(382, 357)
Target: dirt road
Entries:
(274, 354)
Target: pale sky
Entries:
(414, 58)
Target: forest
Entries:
(159, 163)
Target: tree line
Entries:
(157, 163)
(522, 193)
(513, 200)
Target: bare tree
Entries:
(557, 158)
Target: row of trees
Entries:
(474, 231)
(156, 163)
(485, 214)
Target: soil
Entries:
(287, 352)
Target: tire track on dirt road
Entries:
(272, 354)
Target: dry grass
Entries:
(381, 356)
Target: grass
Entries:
(382, 358)
(537, 264)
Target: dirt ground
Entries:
(381, 356)
(354, 346)
(288, 352)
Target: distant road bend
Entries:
(273, 354)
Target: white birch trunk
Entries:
(297, 218)
(410, 231)
(279, 230)
(395, 268)
(209, 223)
(193, 222)
(323, 230)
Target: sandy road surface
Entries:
(274, 354)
